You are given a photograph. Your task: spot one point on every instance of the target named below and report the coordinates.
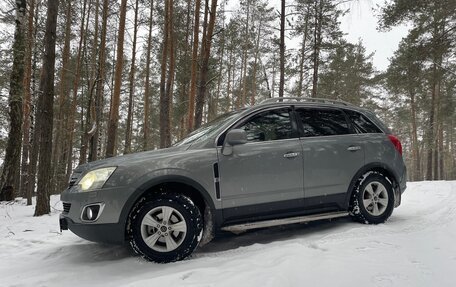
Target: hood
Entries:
(131, 159)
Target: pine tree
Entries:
(10, 173)
(45, 108)
(115, 101)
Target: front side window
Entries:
(269, 126)
(323, 122)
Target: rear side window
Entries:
(268, 126)
(361, 123)
(323, 122)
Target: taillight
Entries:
(396, 142)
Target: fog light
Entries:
(92, 212)
(89, 213)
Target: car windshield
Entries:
(207, 130)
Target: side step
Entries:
(239, 228)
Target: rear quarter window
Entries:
(361, 123)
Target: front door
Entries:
(264, 176)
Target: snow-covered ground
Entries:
(416, 247)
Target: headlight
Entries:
(96, 178)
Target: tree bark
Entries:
(131, 91)
(59, 157)
(10, 174)
(71, 117)
(99, 95)
(45, 108)
(317, 45)
(282, 49)
(27, 101)
(244, 56)
(164, 108)
(255, 64)
(115, 101)
(416, 173)
(90, 126)
(194, 71)
(170, 80)
(303, 53)
(205, 52)
(147, 96)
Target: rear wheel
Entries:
(373, 199)
(166, 228)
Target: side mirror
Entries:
(236, 137)
(232, 138)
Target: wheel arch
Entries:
(375, 167)
(188, 187)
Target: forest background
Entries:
(89, 79)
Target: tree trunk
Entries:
(303, 53)
(255, 64)
(115, 101)
(164, 108)
(205, 53)
(431, 125)
(34, 130)
(71, 117)
(317, 45)
(282, 49)
(213, 111)
(416, 173)
(244, 56)
(194, 71)
(93, 155)
(170, 81)
(58, 154)
(11, 174)
(45, 108)
(90, 126)
(147, 96)
(27, 101)
(127, 148)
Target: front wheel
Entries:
(373, 200)
(166, 228)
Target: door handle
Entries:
(291, 154)
(354, 148)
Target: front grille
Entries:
(66, 207)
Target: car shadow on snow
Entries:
(228, 241)
(89, 252)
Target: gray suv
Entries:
(286, 160)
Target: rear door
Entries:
(332, 154)
(264, 176)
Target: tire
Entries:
(166, 228)
(372, 200)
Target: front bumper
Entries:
(109, 227)
(112, 233)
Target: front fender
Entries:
(146, 182)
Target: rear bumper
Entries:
(402, 185)
(111, 233)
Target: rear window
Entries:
(361, 123)
(323, 122)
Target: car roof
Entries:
(305, 102)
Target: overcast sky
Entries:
(361, 23)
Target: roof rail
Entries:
(313, 100)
